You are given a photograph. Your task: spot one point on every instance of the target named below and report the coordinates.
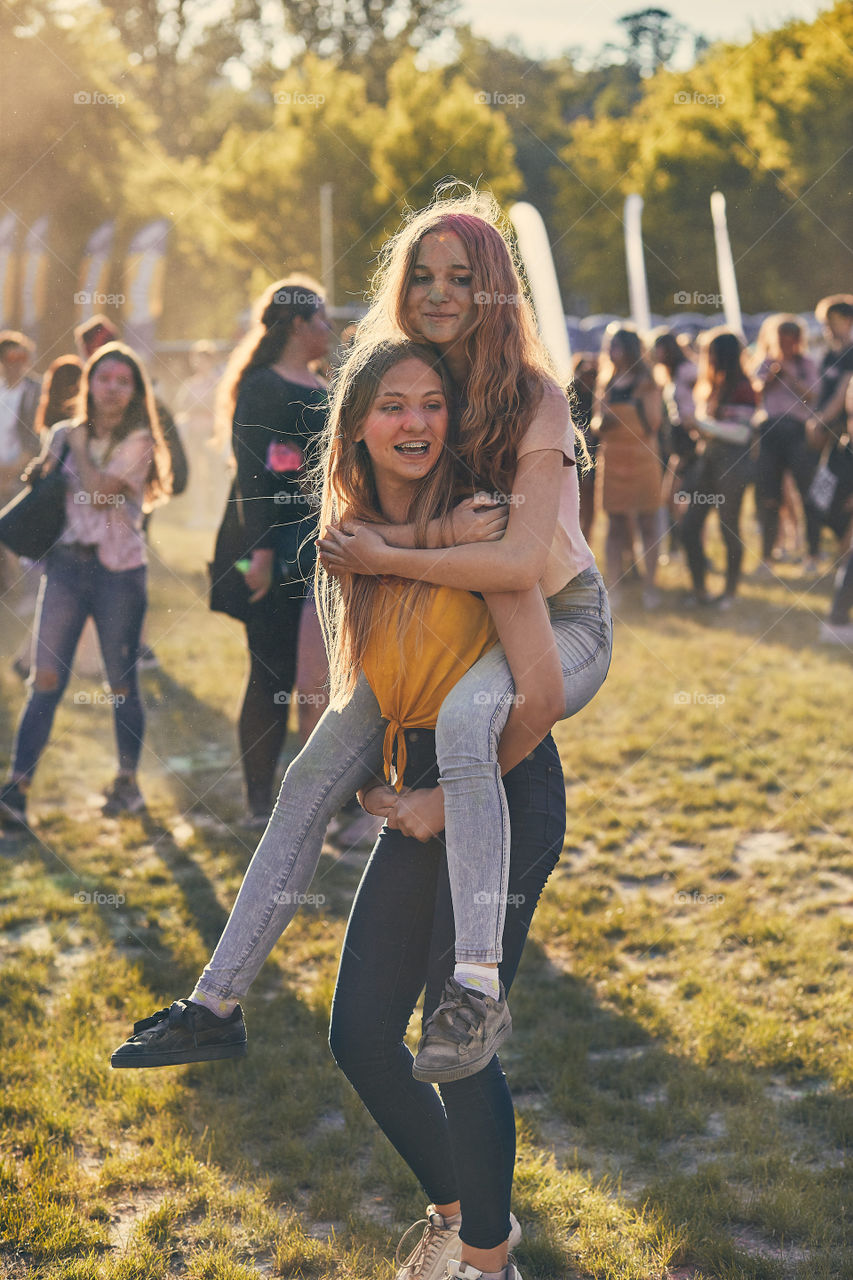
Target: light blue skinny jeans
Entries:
(344, 753)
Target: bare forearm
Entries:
(482, 566)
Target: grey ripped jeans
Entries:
(345, 752)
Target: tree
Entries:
(437, 125)
(267, 184)
(653, 36)
(367, 35)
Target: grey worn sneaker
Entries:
(185, 1032)
(462, 1035)
(13, 806)
(122, 796)
(465, 1271)
(439, 1243)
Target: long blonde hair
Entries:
(352, 605)
(509, 364)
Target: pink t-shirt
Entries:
(779, 399)
(111, 522)
(569, 554)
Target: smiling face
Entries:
(440, 305)
(405, 428)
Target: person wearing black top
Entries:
(278, 406)
(829, 500)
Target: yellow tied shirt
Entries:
(453, 630)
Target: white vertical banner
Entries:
(144, 273)
(8, 269)
(545, 291)
(93, 276)
(327, 250)
(638, 289)
(725, 264)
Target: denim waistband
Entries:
(587, 586)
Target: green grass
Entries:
(680, 1062)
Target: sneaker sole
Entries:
(179, 1057)
(445, 1075)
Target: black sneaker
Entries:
(122, 796)
(13, 806)
(185, 1032)
(462, 1035)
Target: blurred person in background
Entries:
(827, 502)
(786, 383)
(19, 397)
(90, 336)
(59, 390)
(628, 414)
(839, 629)
(277, 406)
(675, 373)
(195, 409)
(725, 407)
(116, 465)
(581, 400)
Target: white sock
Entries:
(482, 978)
(222, 1008)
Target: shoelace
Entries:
(426, 1248)
(178, 1011)
(460, 1007)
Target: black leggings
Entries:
(784, 448)
(400, 939)
(720, 484)
(272, 631)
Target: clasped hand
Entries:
(418, 814)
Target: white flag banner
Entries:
(725, 264)
(638, 289)
(93, 277)
(539, 265)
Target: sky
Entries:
(549, 27)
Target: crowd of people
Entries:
(408, 539)
(681, 430)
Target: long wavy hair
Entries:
(509, 366)
(635, 358)
(59, 390)
(721, 365)
(273, 316)
(140, 415)
(352, 605)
